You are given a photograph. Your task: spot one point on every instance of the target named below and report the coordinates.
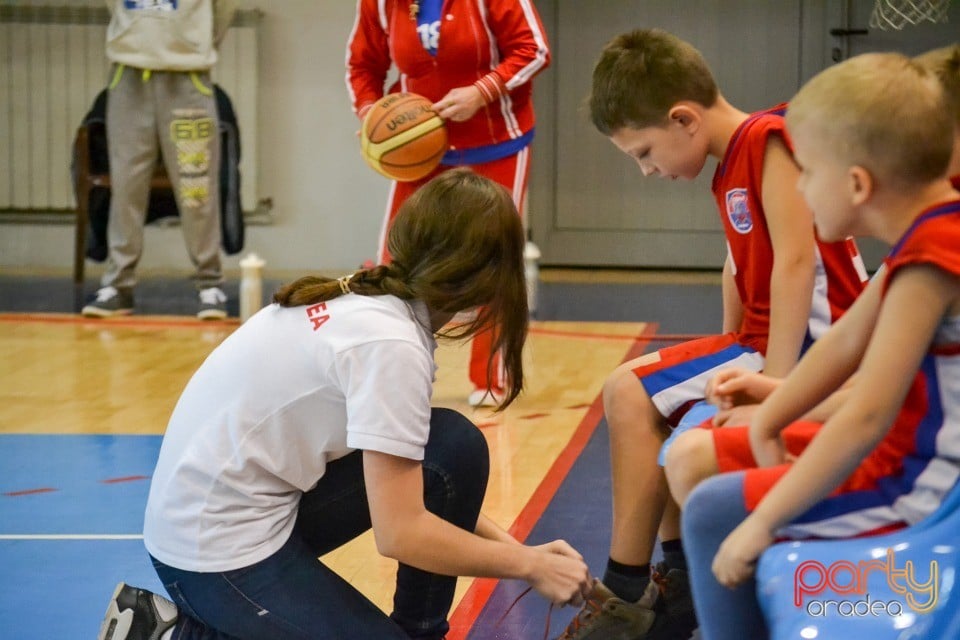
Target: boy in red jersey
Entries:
(734, 388)
(655, 98)
(887, 457)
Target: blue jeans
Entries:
(293, 595)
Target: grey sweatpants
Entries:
(173, 113)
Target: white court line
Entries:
(69, 536)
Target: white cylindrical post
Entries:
(531, 270)
(251, 285)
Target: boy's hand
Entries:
(767, 447)
(734, 387)
(736, 560)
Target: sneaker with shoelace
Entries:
(109, 301)
(137, 614)
(213, 304)
(674, 606)
(664, 612)
(604, 616)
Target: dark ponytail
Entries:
(366, 282)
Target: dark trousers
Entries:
(293, 595)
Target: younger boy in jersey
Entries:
(873, 138)
(656, 99)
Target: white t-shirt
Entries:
(289, 391)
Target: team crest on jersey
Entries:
(150, 5)
(738, 210)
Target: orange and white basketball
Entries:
(402, 138)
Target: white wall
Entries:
(328, 204)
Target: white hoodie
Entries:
(167, 35)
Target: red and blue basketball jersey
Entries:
(917, 463)
(676, 376)
(840, 274)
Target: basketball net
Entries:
(896, 14)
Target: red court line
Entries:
(184, 322)
(476, 597)
(30, 492)
(660, 337)
(581, 334)
(174, 322)
(124, 479)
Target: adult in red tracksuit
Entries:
(474, 60)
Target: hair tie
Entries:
(343, 282)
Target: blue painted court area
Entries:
(71, 519)
(578, 513)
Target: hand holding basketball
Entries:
(402, 137)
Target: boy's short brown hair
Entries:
(945, 63)
(881, 111)
(641, 75)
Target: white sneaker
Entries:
(137, 614)
(110, 301)
(485, 398)
(213, 304)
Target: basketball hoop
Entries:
(896, 14)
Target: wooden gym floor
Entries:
(83, 405)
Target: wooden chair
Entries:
(87, 179)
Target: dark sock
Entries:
(626, 581)
(673, 554)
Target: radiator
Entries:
(52, 65)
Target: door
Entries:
(588, 203)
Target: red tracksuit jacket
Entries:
(498, 44)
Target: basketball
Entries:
(402, 138)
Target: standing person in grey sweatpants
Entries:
(161, 101)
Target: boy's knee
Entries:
(621, 382)
(689, 460)
(625, 401)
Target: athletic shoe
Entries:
(137, 614)
(676, 617)
(110, 301)
(213, 304)
(485, 397)
(604, 616)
